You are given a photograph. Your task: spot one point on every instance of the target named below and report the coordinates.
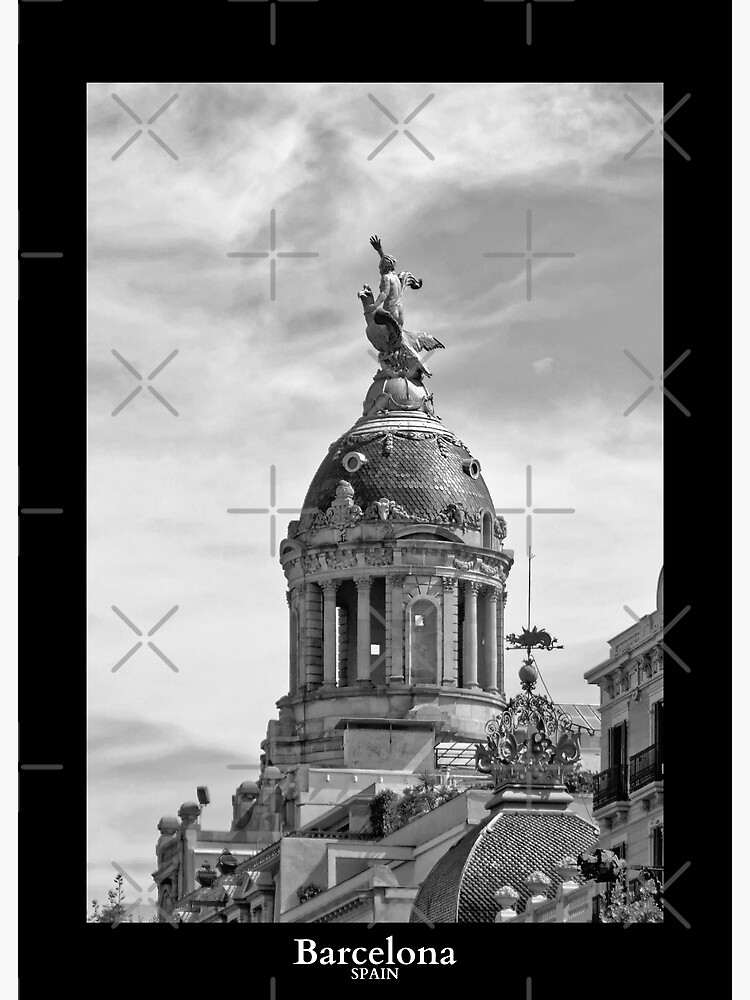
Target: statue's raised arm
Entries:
(392, 285)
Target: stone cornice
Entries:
(616, 663)
(337, 558)
(445, 695)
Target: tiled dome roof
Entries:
(502, 851)
(417, 463)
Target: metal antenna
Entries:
(528, 623)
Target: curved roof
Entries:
(417, 463)
(502, 851)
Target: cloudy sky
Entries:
(258, 382)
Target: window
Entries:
(487, 530)
(618, 745)
(621, 850)
(658, 729)
(294, 679)
(422, 642)
(657, 847)
(374, 649)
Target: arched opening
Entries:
(377, 631)
(346, 647)
(487, 530)
(422, 642)
(341, 645)
(294, 678)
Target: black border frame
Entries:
(66, 43)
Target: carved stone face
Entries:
(385, 266)
(344, 490)
(383, 507)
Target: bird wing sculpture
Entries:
(421, 341)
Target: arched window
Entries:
(487, 530)
(422, 642)
(294, 679)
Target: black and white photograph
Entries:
(375, 575)
(374, 391)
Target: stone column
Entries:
(450, 658)
(363, 629)
(501, 641)
(490, 597)
(470, 634)
(397, 630)
(329, 632)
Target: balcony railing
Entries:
(645, 767)
(610, 786)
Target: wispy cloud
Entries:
(542, 365)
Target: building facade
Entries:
(629, 790)
(396, 575)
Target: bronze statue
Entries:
(398, 349)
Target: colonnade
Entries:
(313, 610)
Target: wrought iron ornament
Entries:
(532, 737)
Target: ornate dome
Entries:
(504, 850)
(409, 459)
